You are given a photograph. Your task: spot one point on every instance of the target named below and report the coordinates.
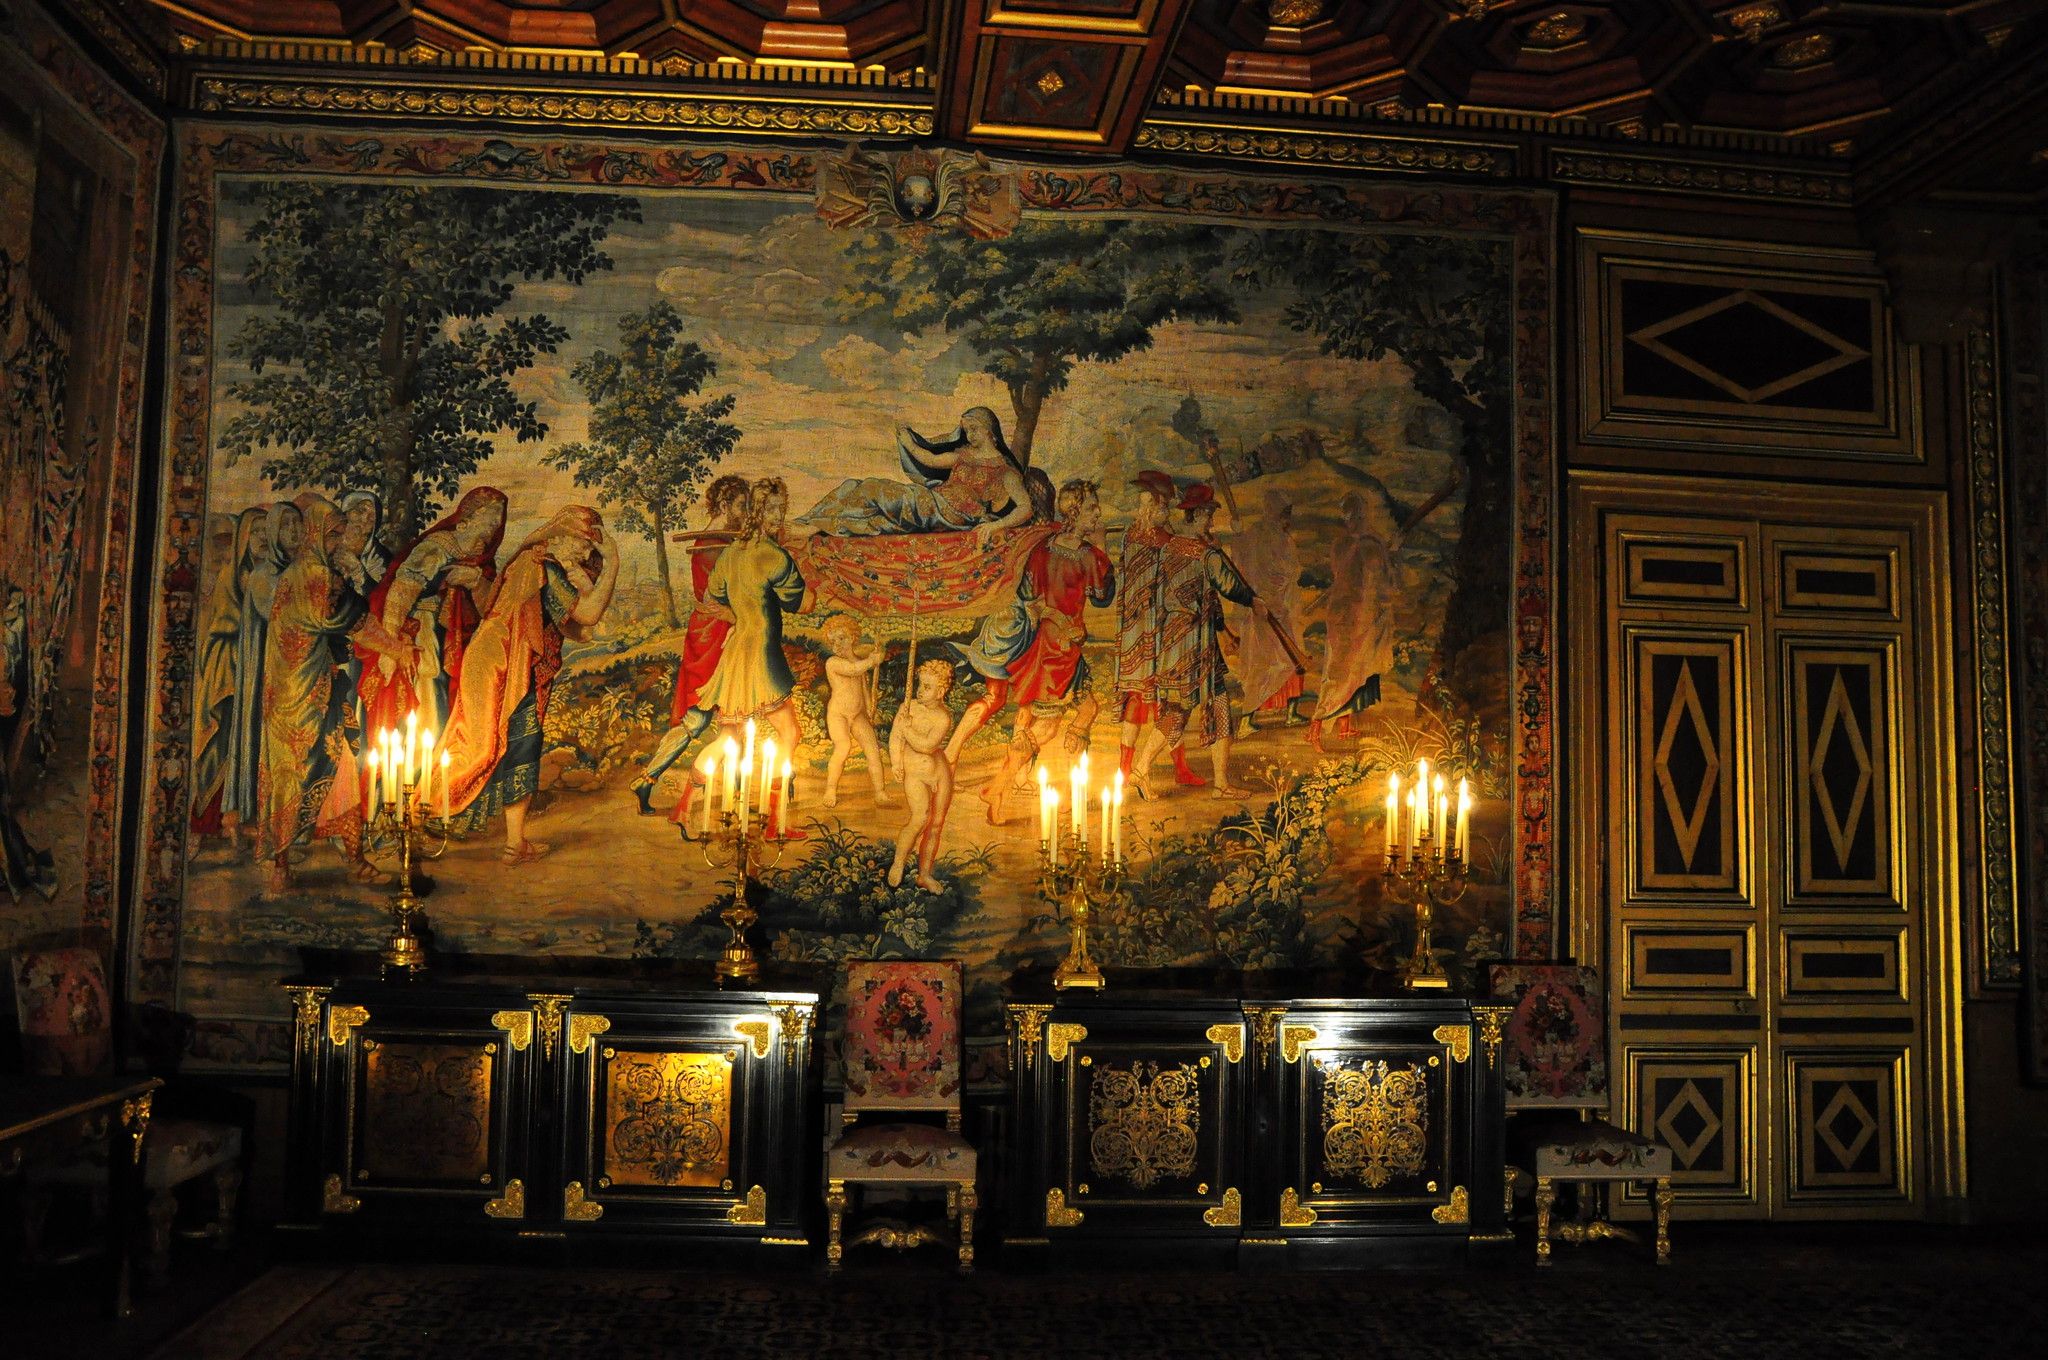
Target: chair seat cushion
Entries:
(900, 1152)
(174, 1151)
(1593, 1149)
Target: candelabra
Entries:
(1424, 880)
(1068, 874)
(739, 843)
(404, 814)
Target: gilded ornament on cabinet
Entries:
(1059, 1039)
(1057, 1214)
(752, 1212)
(1230, 1038)
(1459, 1210)
(511, 1204)
(1228, 1214)
(335, 1200)
(1375, 1122)
(1029, 1021)
(582, 1028)
(306, 1004)
(578, 1207)
(1458, 1037)
(1143, 1122)
(343, 1021)
(1293, 1039)
(135, 1119)
(518, 1027)
(1293, 1213)
(1492, 1027)
(795, 1017)
(759, 1033)
(671, 1118)
(1265, 1023)
(549, 1006)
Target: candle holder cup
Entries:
(739, 845)
(1078, 880)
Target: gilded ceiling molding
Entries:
(1999, 957)
(227, 57)
(1365, 151)
(134, 55)
(1674, 175)
(565, 108)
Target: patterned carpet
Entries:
(1853, 1296)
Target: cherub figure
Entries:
(917, 741)
(850, 711)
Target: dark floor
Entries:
(1816, 1293)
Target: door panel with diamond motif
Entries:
(1770, 895)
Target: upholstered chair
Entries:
(900, 1051)
(65, 1013)
(1555, 1070)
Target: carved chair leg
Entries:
(952, 1204)
(162, 1212)
(1546, 1196)
(227, 1185)
(835, 1211)
(1662, 1196)
(967, 1205)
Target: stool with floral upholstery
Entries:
(1556, 1060)
(900, 1051)
(62, 1004)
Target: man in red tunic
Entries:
(1034, 654)
(703, 640)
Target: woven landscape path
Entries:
(1865, 1294)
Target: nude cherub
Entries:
(917, 741)
(850, 711)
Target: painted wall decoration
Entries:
(937, 470)
(78, 171)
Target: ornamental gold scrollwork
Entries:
(795, 1018)
(1492, 1028)
(1265, 1025)
(1029, 1021)
(1060, 1039)
(335, 1200)
(1230, 1038)
(518, 1027)
(1143, 1122)
(759, 1033)
(1293, 1039)
(1057, 1214)
(135, 1119)
(343, 1022)
(549, 1006)
(584, 1028)
(306, 1004)
(1375, 1122)
(1293, 1213)
(751, 1212)
(578, 1207)
(672, 1116)
(511, 1204)
(1228, 1214)
(1459, 1210)
(1458, 1037)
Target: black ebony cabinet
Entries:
(596, 1100)
(1270, 1117)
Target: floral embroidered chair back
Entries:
(1556, 1037)
(901, 1040)
(60, 999)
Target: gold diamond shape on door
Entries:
(1662, 339)
(1687, 821)
(1838, 722)
(1846, 1132)
(1688, 1139)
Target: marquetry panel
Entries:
(1381, 1133)
(1688, 753)
(1697, 1101)
(425, 1112)
(1839, 703)
(1814, 580)
(1695, 572)
(1753, 349)
(667, 1118)
(1666, 960)
(1845, 967)
(1848, 1139)
(1145, 1127)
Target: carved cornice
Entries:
(135, 55)
(1670, 174)
(351, 98)
(2001, 934)
(1327, 147)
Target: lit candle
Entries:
(782, 807)
(1116, 826)
(1393, 810)
(412, 747)
(369, 780)
(767, 774)
(1415, 819)
(444, 785)
(1076, 797)
(1464, 819)
(393, 774)
(1053, 803)
(707, 767)
(1443, 818)
(1107, 812)
(731, 766)
(1422, 783)
(747, 765)
(1044, 809)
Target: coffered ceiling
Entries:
(1826, 79)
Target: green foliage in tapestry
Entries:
(1052, 295)
(651, 444)
(386, 365)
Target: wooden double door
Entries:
(1764, 831)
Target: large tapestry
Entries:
(78, 173)
(940, 472)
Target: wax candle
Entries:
(1422, 783)
(782, 807)
(1053, 796)
(1116, 826)
(1443, 818)
(1464, 839)
(731, 766)
(1076, 798)
(1415, 819)
(1393, 809)
(1044, 809)
(747, 762)
(768, 772)
(392, 773)
(1102, 841)
(369, 780)
(444, 785)
(707, 767)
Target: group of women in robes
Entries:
(314, 638)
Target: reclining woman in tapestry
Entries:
(968, 480)
(557, 584)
